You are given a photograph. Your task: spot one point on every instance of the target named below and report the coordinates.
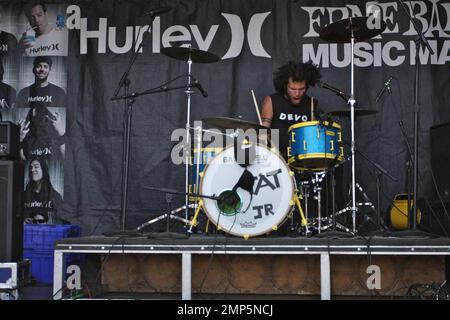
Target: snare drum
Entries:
(248, 215)
(314, 145)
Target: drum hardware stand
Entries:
(304, 221)
(352, 102)
(305, 188)
(420, 40)
(317, 180)
(170, 213)
(379, 171)
(167, 234)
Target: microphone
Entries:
(197, 84)
(157, 11)
(333, 89)
(385, 87)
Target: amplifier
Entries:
(9, 140)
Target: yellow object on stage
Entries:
(399, 212)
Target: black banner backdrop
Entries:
(252, 38)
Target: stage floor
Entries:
(158, 244)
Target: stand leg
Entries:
(194, 221)
(378, 202)
(333, 199)
(300, 210)
(319, 209)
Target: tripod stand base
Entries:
(333, 234)
(167, 235)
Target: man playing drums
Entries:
(290, 104)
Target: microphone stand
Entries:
(420, 40)
(129, 101)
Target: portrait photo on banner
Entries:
(42, 30)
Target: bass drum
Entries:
(240, 213)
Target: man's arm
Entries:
(267, 112)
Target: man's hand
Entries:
(24, 129)
(27, 41)
(56, 120)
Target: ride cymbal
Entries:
(363, 28)
(195, 55)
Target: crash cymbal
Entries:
(346, 113)
(364, 28)
(231, 123)
(197, 56)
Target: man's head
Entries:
(293, 80)
(38, 172)
(35, 171)
(41, 68)
(38, 18)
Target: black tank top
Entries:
(286, 114)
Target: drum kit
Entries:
(256, 195)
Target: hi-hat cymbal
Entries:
(197, 56)
(346, 113)
(230, 123)
(363, 28)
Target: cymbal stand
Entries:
(352, 102)
(187, 152)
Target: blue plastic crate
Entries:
(43, 236)
(42, 264)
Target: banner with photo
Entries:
(63, 61)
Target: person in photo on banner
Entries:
(8, 42)
(7, 93)
(42, 134)
(290, 104)
(43, 37)
(41, 200)
(42, 93)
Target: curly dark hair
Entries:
(307, 71)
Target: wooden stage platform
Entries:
(296, 266)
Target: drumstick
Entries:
(312, 108)
(256, 106)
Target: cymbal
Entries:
(346, 113)
(231, 123)
(364, 28)
(198, 56)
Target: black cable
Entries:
(211, 257)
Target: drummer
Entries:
(290, 104)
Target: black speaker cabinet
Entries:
(9, 140)
(440, 158)
(11, 211)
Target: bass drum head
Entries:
(242, 214)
